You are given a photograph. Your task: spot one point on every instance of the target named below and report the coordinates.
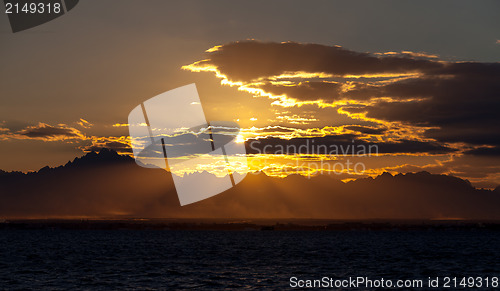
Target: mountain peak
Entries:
(105, 156)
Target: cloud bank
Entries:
(445, 102)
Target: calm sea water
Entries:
(61, 260)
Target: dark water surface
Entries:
(116, 259)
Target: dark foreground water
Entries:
(63, 259)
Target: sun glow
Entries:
(240, 138)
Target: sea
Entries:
(263, 260)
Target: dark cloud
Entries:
(365, 129)
(47, 131)
(485, 151)
(351, 109)
(458, 101)
(249, 60)
(306, 91)
(462, 108)
(43, 132)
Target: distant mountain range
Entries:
(109, 185)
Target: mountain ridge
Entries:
(109, 184)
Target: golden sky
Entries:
(427, 96)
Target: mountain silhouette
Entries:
(109, 185)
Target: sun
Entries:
(240, 138)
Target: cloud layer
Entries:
(440, 101)
(43, 131)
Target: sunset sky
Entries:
(418, 79)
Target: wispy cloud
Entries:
(45, 132)
(84, 123)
